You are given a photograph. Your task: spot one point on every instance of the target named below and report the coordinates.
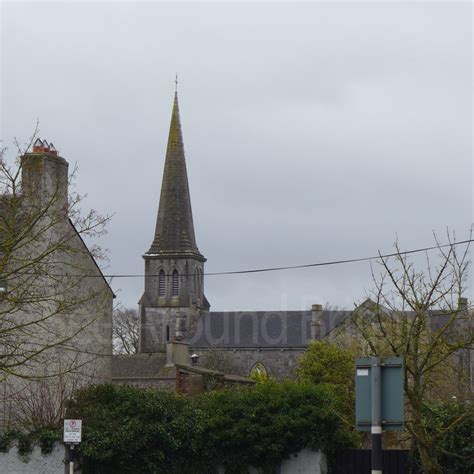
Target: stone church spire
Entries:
(174, 232)
(173, 298)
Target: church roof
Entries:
(261, 329)
(174, 232)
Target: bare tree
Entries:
(42, 401)
(53, 292)
(125, 331)
(421, 315)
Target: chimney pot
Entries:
(37, 146)
(52, 150)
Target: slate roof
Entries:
(260, 329)
(275, 329)
(174, 232)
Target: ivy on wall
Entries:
(27, 439)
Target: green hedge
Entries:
(131, 430)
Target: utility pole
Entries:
(376, 409)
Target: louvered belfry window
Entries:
(175, 283)
(161, 283)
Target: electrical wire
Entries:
(289, 267)
(339, 262)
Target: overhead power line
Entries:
(310, 265)
(275, 269)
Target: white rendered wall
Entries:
(33, 463)
(304, 462)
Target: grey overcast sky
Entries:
(313, 131)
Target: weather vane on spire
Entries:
(176, 83)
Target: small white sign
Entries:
(72, 431)
(362, 372)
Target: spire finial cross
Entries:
(176, 83)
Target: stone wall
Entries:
(60, 303)
(77, 341)
(143, 370)
(159, 325)
(34, 463)
(278, 362)
(149, 370)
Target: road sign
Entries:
(72, 431)
(391, 396)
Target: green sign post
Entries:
(379, 400)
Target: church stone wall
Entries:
(159, 325)
(190, 286)
(279, 363)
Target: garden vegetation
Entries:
(132, 430)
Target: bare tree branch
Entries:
(421, 315)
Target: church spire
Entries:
(174, 232)
(173, 298)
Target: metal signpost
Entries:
(72, 437)
(379, 400)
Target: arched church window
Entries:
(175, 283)
(161, 283)
(258, 372)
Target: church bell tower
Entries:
(174, 268)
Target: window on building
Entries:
(258, 372)
(161, 283)
(175, 283)
(167, 333)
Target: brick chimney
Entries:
(45, 176)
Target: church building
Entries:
(181, 339)
(174, 306)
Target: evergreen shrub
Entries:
(132, 430)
